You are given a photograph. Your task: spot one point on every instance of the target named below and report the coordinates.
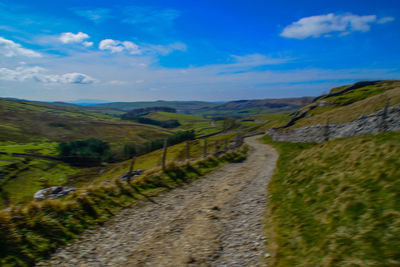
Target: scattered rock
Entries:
(53, 192)
(124, 177)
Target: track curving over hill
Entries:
(214, 221)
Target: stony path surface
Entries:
(214, 221)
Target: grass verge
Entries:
(336, 203)
(32, 232)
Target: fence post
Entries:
(131, 168)
(226, 144)
(164, 155)
(205, 148)
(326, 132)
(216, 145)
(187, 150)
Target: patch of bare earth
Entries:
(214, 221)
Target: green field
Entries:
(176, 153)
(22, 177)
(201, 125)
(336, 203)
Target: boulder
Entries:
(53, 192)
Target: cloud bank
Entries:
(35, 73)
(325, 25)
(9, 48)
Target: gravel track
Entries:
(214, 221)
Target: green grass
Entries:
(337, 203)
(30, 232)
(97, 176)
(201, 125)
(45, 148)
(241, 113)
(27, 121)
(21, 177)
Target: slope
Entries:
(27, 121)
(347, 103)
(337, 203)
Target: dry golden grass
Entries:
(336, 203)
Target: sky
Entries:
(206, 50)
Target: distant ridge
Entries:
(87, 102)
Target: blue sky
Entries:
(193, 50)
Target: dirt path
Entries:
(214, 221)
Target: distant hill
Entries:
(289, 103)
(27, 121)
(240, 108)
(244, 108)
(180, 106)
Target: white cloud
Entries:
(71, 38)
(23, 73)
(117, 46)
(385, 20)
(9, 48)
(87, 44)
(325, 25)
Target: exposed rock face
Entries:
(53, 192)
(124, 177)
(383, 120)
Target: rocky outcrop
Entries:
(53, 192)
(383, 120)
(319, 102)
(129, 176)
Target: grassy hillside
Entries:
(201, 125)
(176, 153)
(22, 177)
(238, 109)
(244, 108)
(337, 203)
(337, 107)
(26, 121)
(30, 232)
(263, 122)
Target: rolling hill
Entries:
(238, 109)
(27, 121)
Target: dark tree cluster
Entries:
(163, 124)
(84, 152)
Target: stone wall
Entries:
(383, 120)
